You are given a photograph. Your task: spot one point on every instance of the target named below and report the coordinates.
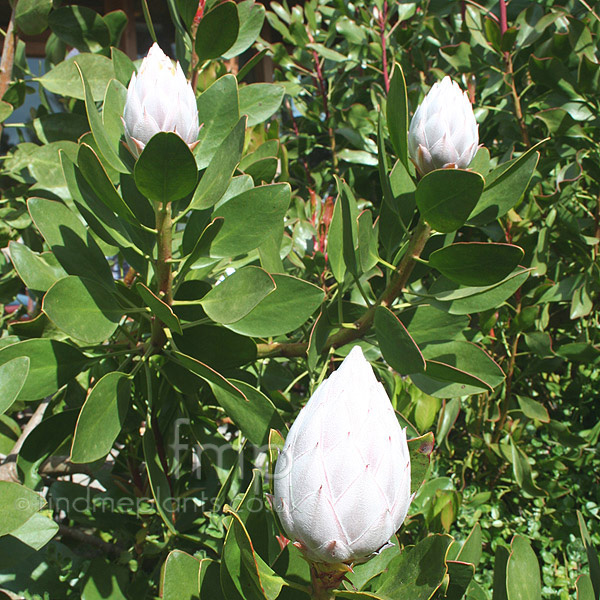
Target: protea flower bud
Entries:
(159, 98)
(342, 482)
(443, 132)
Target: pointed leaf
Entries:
(106, 147)
(161, 310)
(217, 177)
(17, 505)
(397, 114)
(13, 375)
(396, 344)
(523, 572)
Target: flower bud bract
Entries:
(443, 132)
(342, 481)
(159, 98)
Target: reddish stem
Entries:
(382, 22)
(503, 21)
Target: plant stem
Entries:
(505, 405)
(344, 336)
(322, 85)
(503, 20)
(8, 54)
(163, 269)
(382, 22)
(510, 79)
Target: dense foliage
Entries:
(167, 317)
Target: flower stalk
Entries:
(163, 269)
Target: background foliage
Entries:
(300, 203)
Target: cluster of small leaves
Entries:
(173, 314)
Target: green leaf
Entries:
(349, 226)
(251, 16)
(476, 263)
(504, 187)
(31, 16)
(396, 344)
(6, 110)
(70, 241)
(533, 409)
(235, 296)
(202, 247)
(335, 244)
(252, 577)
(250, 217)
(446, 197)
(383, 167)
(214, 379)
(181, 577)
(159, 484)
(592, 555)
(472, 300)
(17, 505)
(221, 349)
(428, 324)
(37, 531)
(286, 308)
(260, 101)
(218, 109)
(217, 31)
(472, 547)
(255, 416)
(159, 308)
(101, 418)
(102, 576)
(13, 375)
(418, 571)
(166, 169)
(37, 271)
(123, 65)
(82, 309)
(97, 178)
(47, 439)
(460, 368)
(60, 126)
(367, 241)
(105, 223)
(217, 177)
(460, 574)
(584, 587)
(500, 562)
(522, 471)
(64, 79)
(108, 149)
(523, 571)
(397, 114)
(51, 365)
(116, 21)
(420, 449)
(80, 27)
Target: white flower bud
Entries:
(159, 98)
(342, 482)
(443, 132)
